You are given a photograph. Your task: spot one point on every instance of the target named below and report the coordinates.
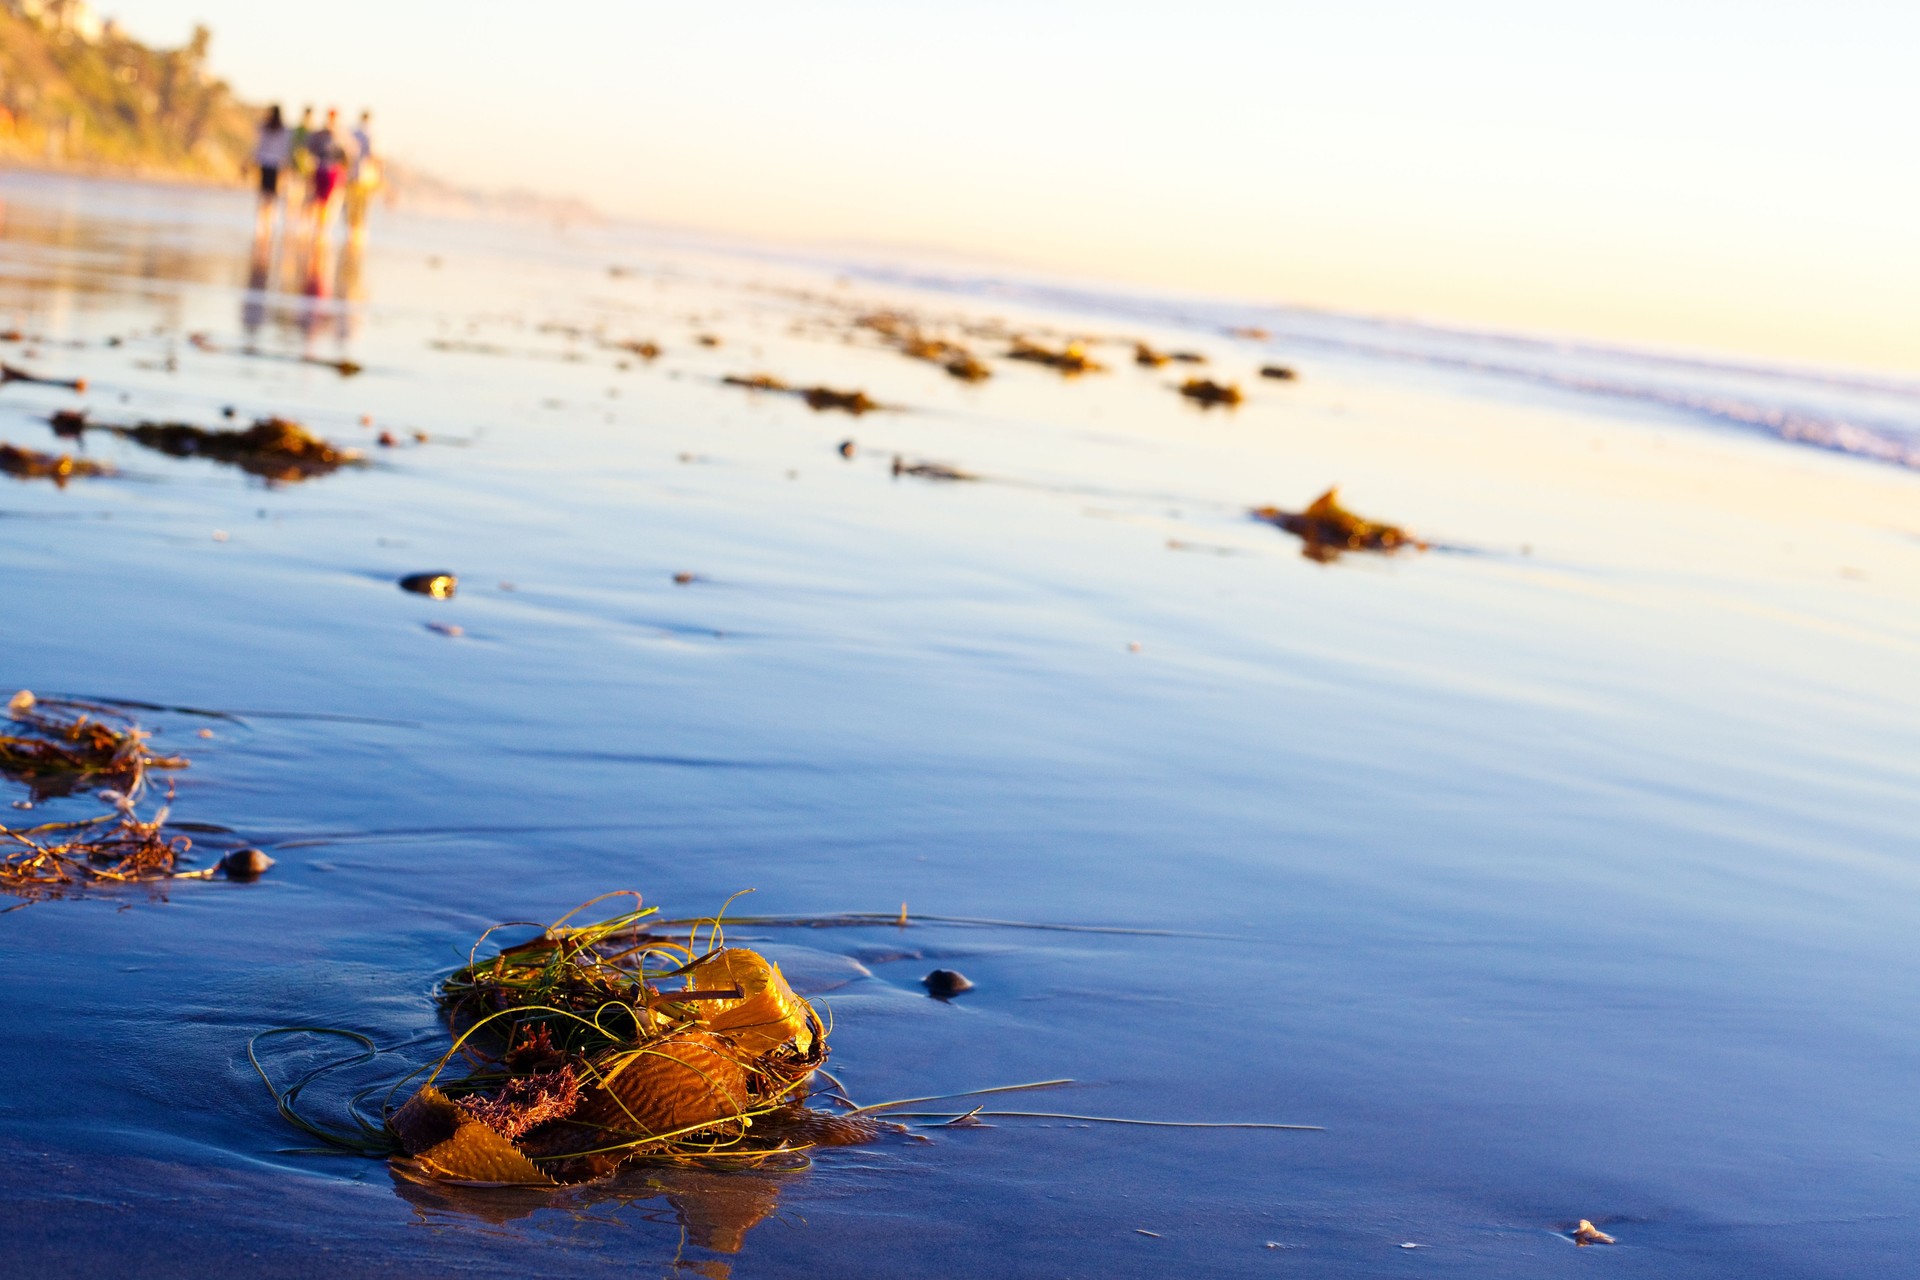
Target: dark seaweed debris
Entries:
(1147, 357)
(822, 398)
(905, 335)
(929, 470)
(8, 373)
(274, 449)
(1071, 359)
(818, 398)
(28, 464)
(755, 382)
(1209, 393)
(1278, 372)
(1329, 529)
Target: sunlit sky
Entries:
(1734, 176)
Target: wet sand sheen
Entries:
(1564, 883)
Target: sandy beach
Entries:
(1563, 870)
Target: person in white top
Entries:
(270, 156)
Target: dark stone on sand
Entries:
(848, 448)
(944, 984)
(245, 864)
(439, 584)
(1278, 371)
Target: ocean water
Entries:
(1563, 871)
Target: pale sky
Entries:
(1739, 177)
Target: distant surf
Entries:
(1867, 416)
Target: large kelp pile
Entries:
(1328, 529)
(590, 1046)
(593, 1048)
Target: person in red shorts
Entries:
(329, 165)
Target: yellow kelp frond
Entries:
(766, 1016)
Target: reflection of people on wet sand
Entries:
(270, 156)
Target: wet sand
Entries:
(1564, 871)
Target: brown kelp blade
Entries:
(452, 1146)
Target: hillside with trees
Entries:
(78, 94)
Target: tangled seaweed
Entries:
(27, 464)
(115, 848)
(58, 746)
(1329, 529)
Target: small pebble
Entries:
(686, 579)
(1586, 1233)
(206, 733)
(848, 448)
(245, 864)
(387, 440)
(943, 984)
(439, 584)
(453, 629)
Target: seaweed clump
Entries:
(28, 464)
(116, 848)
(275, 449)
(818, 398)
(1071, 359)
(583, 1059)
(1329, 529)
(905, 335)
(1207, 392)
(57, 746)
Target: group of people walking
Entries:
(334, 166)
